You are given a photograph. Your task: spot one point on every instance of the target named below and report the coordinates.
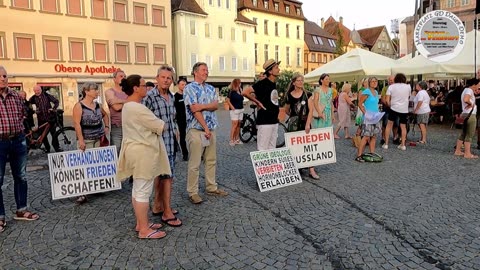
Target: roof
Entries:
(313, 29)
(243, 19)
(332, 26)
(356, 38)
(292, 4)
(187, 5)
(370, 35)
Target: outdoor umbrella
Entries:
(352, 65)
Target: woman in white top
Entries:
(142, 154)
(397, 98)
(469, 126)
(422, 109)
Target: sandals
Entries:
(81, 199)
(175, 212)
(3, 225)
(359, 159)
(26, 216)
(153, 226)
(154, 235)
(166, 221)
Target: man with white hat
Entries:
(266, 98)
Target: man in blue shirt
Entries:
(201, 102)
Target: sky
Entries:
(361, 14)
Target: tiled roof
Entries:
(187, 5)
(331, 26)
(292, 4)
(315, 29)
(356, 38)
(311, 30)
(241, 18)
(370, 35)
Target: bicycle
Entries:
(66, 136)
(248, 128)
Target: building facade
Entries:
(319, 47)
(378, 40)
(212, 31)
(279, 32)
(59, 44)
(341, 33)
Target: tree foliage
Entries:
(339, 50)
(282, 85)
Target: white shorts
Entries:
(236, 115)
(142, 189)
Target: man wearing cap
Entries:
(265, 95)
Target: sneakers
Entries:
(231, 143)
(217, 192)
(402, 147)
(195, 199)
(385, 146)
(238, 142)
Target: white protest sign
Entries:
(76, 173)
(312, 149)
(275, 169)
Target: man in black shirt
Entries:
(181, 117)
(266, 98)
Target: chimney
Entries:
(340, 19)
(322, 22)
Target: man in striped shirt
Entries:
(13, 148)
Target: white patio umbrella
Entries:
(462, 64)
(352, 65)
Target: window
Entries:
(298, 31)
(219, 3)
(265, 53)
(379, 45)
(208, 60)
(331, 57)
(99, 9)
(298, 11)
(255, 21)
(220, 32)
(254, 2)
(139, 13)
(210, 2)
(276, 29)
(245, 64)
(227, 4)
(207, 30)
(77, 50)
(331, 42)
(315, 40)
(265, 27)
(54, 89)
(287, 30)
(100, 51)
(287, 54)
(324, 58)
(450, 3)
(52, 48)
(193, 59)
(276, 7)
(233, 34)
(299, 57)
(319, 39)
(159, 54)
(158, 16)
(75, 7)
(256, 53)
(234, 63)
(122, 54)
(265, 4)
(120, 11)
(3, 52)
(287, 9)
(25, 4)
(276, 52)
(193, 31)
(465, 2)
(313, 58)
(49, 6)
(24, 46)
(221, 63)
(476, 23)
(244, 36)
(141, 53)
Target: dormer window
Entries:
(298, 11)
(276, 7)
(254, 2)
(287, 9)
(265, 4)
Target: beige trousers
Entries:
(196, 151)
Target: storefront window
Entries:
(54, 89)
(15, 86)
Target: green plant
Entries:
(224, 91)
(282, 85)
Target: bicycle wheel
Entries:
(282, 129)
(67, 138)
(246, 129)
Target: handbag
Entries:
(104, 141)
(464, 120)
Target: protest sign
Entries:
(312, 149)
(76, 173)
(275, 169)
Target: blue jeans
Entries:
(14, 151)
(116, 137)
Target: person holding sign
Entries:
(323, 115)
(91, 122)
(368, 103)
(14, 148)
(143, 153)
(264, 93)
(297, 108)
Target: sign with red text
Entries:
(76, 173)
(312, 149)
(275, 169)
(61, 68)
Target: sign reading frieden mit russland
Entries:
(76, 173)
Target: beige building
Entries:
(61, 44)
(319, 47)
(377, 40)
(212, 31)
(279, 31)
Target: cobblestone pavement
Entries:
(419, 209)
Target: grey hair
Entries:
(167, 68)
(423, 85)
(87, 86)
(197, 66)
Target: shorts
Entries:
(236, 115)
(423, 118)
(171, 161)
(371, 130)
(142, 189)
(393, 115)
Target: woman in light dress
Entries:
(344, 117)
(323, 115)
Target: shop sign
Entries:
(61, 68)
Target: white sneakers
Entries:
(401, 147)
(385, 146)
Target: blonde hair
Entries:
(346, 86)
